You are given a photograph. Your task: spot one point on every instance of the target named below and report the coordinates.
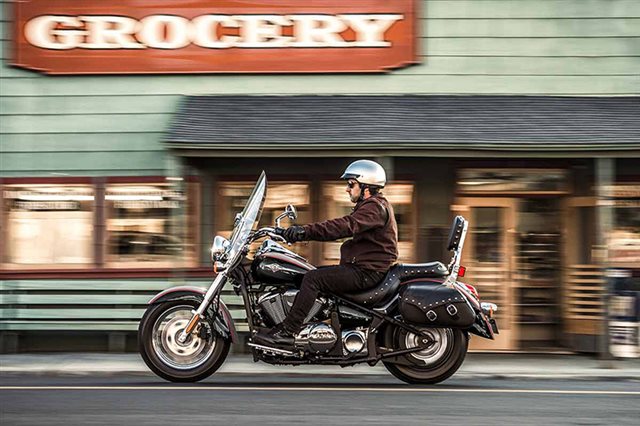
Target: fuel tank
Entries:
(274, 264)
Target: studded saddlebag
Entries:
(436, 305)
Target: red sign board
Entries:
(227, 36)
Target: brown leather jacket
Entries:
(373, 227)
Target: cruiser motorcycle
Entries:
(416, 321)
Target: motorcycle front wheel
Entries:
(433, 364)
(197, 358)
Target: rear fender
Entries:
(220, 321)
(481, 327)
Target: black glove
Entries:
(293, 234)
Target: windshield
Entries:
(247, 219)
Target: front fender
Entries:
(220, 321)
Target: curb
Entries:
(478, 367)
(458, 375)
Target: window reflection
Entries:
(512, 180)
(624, 240)
(233, 197)
(145, 225)
(48, 225)
(487, 234)
(400, 195)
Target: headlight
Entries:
(219, 248)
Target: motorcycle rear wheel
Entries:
(431, 365)
(198, 358)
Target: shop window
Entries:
(624, 241)
(487, 234)
(233, 197)
(48, 225)
(400, 195)
(151, 224)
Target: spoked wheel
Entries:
(433, 364)
(197, 358)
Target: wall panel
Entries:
(502, 47)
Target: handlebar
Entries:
(274, 233)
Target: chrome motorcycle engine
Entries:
(316, 338)
(276, 306)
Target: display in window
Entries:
(233, 197)
(146, 224)
(624, 241)
(48, 225)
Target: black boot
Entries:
(278, 337)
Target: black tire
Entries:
(199, 358)
(432, 365)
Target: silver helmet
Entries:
(366, 172)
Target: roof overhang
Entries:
(406, 125)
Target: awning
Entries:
(406, 125)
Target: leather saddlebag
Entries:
(435, 305)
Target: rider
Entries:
(364, 259)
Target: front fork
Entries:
(198, 314)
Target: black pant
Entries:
(331, 279)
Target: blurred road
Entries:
(311, 400)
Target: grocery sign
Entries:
(228, 36)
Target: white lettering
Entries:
(263, 30)
(164, 32)
(110, 32)
(208, 31)
(370, 29)
(204, 31)
(43, 32)
(318, 31)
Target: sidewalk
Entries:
(476, 365)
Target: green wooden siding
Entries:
(506, 47)
(89, 304)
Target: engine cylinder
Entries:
(277, 305)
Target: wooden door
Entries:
(584, 283)
(489, 258)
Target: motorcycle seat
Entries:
(398, 273)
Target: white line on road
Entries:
(323, 389)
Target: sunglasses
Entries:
(350, 185)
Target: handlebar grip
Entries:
(278, 231)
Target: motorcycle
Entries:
(416, 321)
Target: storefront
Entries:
(520, 198)
(118, 182)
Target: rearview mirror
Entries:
(291, 212)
